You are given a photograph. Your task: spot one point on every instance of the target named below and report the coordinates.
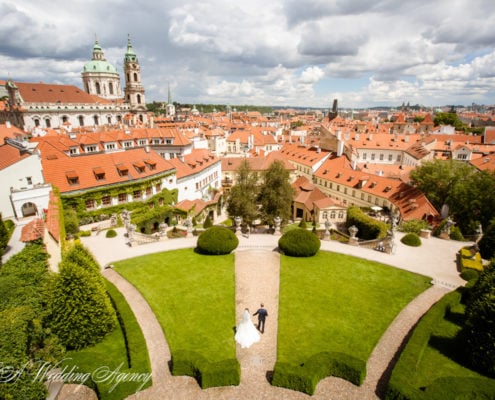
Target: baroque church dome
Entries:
(99, 64)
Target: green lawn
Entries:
(338, 303)
(192, 296)
(109, 360)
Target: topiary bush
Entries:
(411, 239)
(368, 227)
(111, 233)
(299, 243)
(303, 224)
(469, 274)
(207, 222)
(456, 234)
(217, 240)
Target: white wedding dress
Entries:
(246, 333)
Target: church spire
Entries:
(130, 55)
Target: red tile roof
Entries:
(51, 93)
(9, 156)
(52, 217)
(34, 230)
(76, 173)
(193, 163)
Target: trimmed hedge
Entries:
(401, 384)
(368, 227)
(469, 274)
(207, 374)
(217, 240)
(467, 260)
(111, 233)
(411, 239)
(299, 243)
(457, 388)
(306, 376)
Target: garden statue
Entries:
(353, 230)
(237, 221)
(277, 221)
(163, 230)
(326, 235)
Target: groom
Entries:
(262, 314)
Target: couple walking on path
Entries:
(246, 333)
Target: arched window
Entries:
(128, 77)
(138, 98)
(109, 120)
(141, 117)
(95, 119)
(98, 89)
(119, 118)
(36, 122)
(135, 77)
(110, 88)
(87, 87)
(65, 118)
(81, 120)
(48, 123)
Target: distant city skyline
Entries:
(277, 53)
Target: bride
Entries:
(246, 333)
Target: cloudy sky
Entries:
(265, 52)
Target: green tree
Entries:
(207, 222)
(437, 179)
(478, 332)
(71, 221)
(4, 237)
(241, 201)
(487, 242)
(276, 193)
(81, 311)
(449, 118)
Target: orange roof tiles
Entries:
(34, 230)
(76, 173)
(193, 163)
(51, 93)
(9, 155)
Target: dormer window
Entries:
(110, 146)
(72, 177)
(128, 144)
(91, 149)
(99, 173)
(151, 164)
(122, 170)
(139, 166)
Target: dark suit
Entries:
(262, 314)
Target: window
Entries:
(128, 144)
(99, 173)
(95, 119)
(98, 88)
(122, 197)
(341, 214)
(142, 142)
(73, 150)
(90, 204)
(338, 188)
(29, 180)
(137, 194)
(398, 157)
(381, 157)
(158, 187)
(72, 177)
(325, 215)
(365, 156)
(149, 191)
(110, 146)
(156, 141)
(168, 141)
(332, 215)
(122, 170)
(139, 166)
(91, 149)
(106, 200)
(48, 123)
(36, 122)
(138, 97)
(362, 196)
(372, 156)
(81, 120)
(65, 118)
(110, 88)
(109, 120)
(390, 157)
(135, 77)
(369, 198)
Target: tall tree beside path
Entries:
(242, 200)
(276, 193)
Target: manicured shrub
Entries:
(470, 259)
(469, 274)
(111, 233)
(4, 236)
(299, 243)
(81, 311)
(306, 376)
(368, 227)
(411, 239)
(71, 221)
(207, 222)
(413, 226)
(84, 233)
(190, 363)
(456, 234)
(217, 240)
(303, 224)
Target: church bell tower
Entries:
(134, 90)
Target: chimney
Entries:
(147, 149)
(339, 135)
(340, 148)
(7, 124)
